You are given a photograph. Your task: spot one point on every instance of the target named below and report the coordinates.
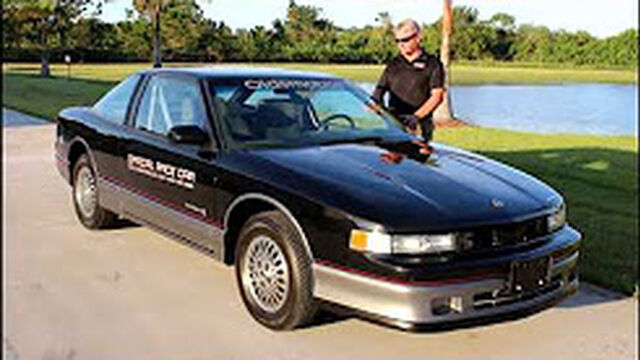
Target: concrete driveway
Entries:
(130, 293)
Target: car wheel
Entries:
(85, 196)
(274, 272)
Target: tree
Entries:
(182, 25)
(90, 39)
(135, 38)
(533, 43)
(472, 38)
(385, 19)
(153, 9)
(306, 35)
(216, 42)
(44, 18)
(503, 37)
(263, 42)
(44, 30)
(444, 111)
(503, 21)
(246, 46)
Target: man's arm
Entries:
(431, 104)
(436, 84)
(381, 88)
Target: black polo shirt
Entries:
(409, 83)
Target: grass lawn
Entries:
(596, 174)
(466, 73)
(598, 177)
(46, 97)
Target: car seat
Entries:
(234, 123)
(280, 118)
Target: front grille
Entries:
(496, 237)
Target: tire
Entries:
(274, 272)
(86, 197)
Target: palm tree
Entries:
(444, 111)
(385, 19)
(153, 9)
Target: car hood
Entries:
(394, 186)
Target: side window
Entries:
(168, 102)
(113, 106)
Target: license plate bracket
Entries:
(528, 275)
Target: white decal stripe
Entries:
(160, 171)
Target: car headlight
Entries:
(381, 243)
(557, 220)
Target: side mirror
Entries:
(188, 134)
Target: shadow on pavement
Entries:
(122, 224)
(326, 316)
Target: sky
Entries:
(601, 18)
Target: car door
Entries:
(173, 183)
(104, 137)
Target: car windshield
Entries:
(281, 112)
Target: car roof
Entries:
(225, 71)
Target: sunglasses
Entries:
(406, 39)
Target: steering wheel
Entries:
(324, 123)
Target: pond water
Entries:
(603, 109)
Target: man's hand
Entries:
(425, 148)
(410, 121)
(374, 107)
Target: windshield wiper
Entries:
(358, 140)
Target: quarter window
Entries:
(113, 106)
(168, 102)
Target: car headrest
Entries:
(280, 112)
(234, 122)
(187, 111)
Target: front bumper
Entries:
(413, 306)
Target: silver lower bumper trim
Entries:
(412, 304)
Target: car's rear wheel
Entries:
(274, 272)
(86, 197)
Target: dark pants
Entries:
(426, 125)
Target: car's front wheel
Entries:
(274, 272)
(85, 196)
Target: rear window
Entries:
(113, 106)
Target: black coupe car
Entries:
(317, 196)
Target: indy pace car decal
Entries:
(161, 171)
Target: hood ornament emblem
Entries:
(497, 203)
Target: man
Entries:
(414, 80)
